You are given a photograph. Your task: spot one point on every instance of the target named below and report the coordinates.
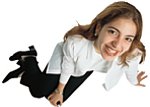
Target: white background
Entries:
(43, 23)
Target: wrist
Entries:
(57, 91)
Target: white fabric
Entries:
(116, 71)
(77, 56)
(131, 71)
(113, 75)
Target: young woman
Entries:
(110, 43)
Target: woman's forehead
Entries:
(123, 25)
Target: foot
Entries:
(18, 55)
(13, 74)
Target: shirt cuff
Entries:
(64, 78)
(133, 81)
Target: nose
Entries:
(117, 44)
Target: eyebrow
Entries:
(120, 32)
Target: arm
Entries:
(132, 74)
(67, 70)
(57, 95)
(113, 75)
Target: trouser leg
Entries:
(70, 87)
(41, 84)
(31, 71)
(73, 84)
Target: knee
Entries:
(36, 93)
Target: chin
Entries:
(108, 58)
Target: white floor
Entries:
(43, 23)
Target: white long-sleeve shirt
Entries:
(77, 55)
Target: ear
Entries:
(98, 28)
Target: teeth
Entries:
(111, 51)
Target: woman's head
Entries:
(120, 10)
(112, 13)
(115, 38)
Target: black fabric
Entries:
(42, 85)
(74, 83)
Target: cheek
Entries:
(102, 36)
(126, 47)
(104, 39)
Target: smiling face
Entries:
(115, 38)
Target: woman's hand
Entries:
(141, 77)
(55, 97)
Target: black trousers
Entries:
(42, 85)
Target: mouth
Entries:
(109, 51)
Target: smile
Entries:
(110, 51)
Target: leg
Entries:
(17, 55)
(73, 84)
(13, 74)
(45, 84)
(32, 71)
(39, 83)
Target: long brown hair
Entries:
(115, 10)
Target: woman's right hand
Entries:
(141, 77)
(55, 97)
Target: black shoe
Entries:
(13, 74)
(17, 55)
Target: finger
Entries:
(142, 85)
(50, 96)
(144, 77)
(53, 102)
(141, 73)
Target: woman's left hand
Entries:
(141, 77)
(54, 98)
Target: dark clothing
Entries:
(42, 85)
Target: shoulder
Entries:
(135, 55)
(76, 44)
(77, 39)
(78, 36)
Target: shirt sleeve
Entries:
(132, 69)
(55, 62)
(68, 64)
(113, 75)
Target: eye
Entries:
(113, 32)
(129, 39)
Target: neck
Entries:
(96, 46)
